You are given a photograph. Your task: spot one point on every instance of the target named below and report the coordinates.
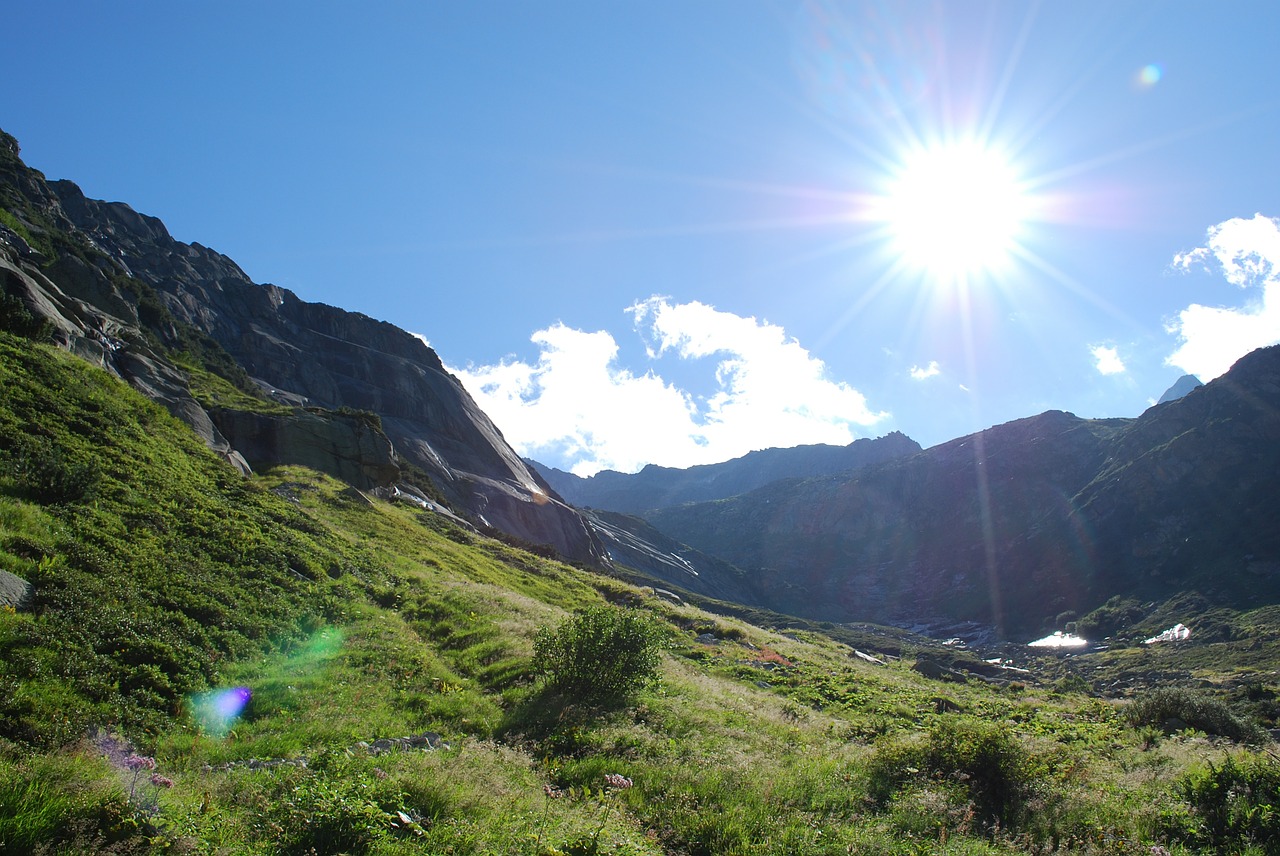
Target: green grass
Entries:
(170, 577)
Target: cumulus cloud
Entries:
(1211, 338)
(1107, 360)
(578, 404)
(931, 370)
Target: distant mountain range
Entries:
(1022, 523)
(1021, 526)
(658, 487)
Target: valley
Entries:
(273, 583)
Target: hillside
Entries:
(310, 669)
(263, 377)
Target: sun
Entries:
(955, 210)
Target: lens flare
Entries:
(1149, 75)
(217, 711)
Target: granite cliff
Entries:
(113, 286)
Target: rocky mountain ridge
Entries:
(113, 286)
(658, 487)
(1026, 522)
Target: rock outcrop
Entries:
(347, 446)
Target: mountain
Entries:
(1026, 522)
(262, 376)
(1180, 387)
(657, 487)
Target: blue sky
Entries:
(657, 232)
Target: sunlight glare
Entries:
(955, 210)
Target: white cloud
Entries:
(576, 402)
(927, 372)
(421, 338)
(1107, 360)
(1247, 252)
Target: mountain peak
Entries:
(1181, 387)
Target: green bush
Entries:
(983, 759)
(601, 655)
(323, 813)
(48, 476)
(1234, 805)
(1164, 707)
(17, 319)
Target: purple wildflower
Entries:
(615, 780)
(140, 762)
(161, 781)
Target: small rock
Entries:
(14, 590)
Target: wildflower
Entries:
(161, 781)
(140, 762)
(379, 773)
(551, 792)
(614, 780)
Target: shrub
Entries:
(1111, 618)
(1164, 707)
(330, 814)
(600, 655)
(47, 476)
(985, 760)
(17, 319)
(1234, 805)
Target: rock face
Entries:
(346, 446)
(633, 543)
(659, 487)
(120, 291)
(1023, 521)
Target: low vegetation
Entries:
(213, 664)
(602, 655)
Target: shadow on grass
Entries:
(554, 720)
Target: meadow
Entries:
(280, 664)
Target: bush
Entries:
(45, 474)
(1234, 805)
(325, 813)
(17, 319)
(985, 760)
(1166, 706)
(601, 655)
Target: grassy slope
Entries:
(160, 575)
